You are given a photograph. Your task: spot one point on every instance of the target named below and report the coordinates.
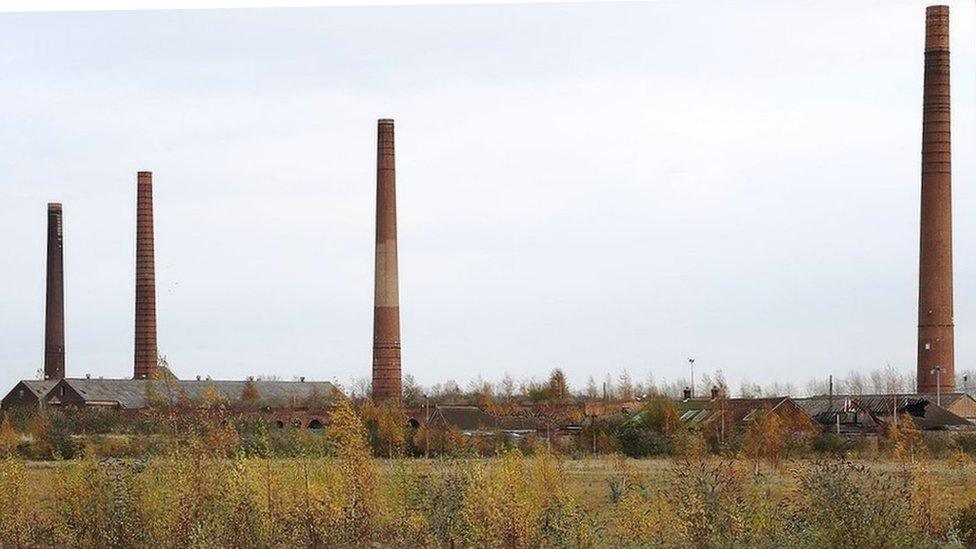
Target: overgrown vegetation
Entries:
(210, 483)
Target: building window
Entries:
(61, 391)
(20, 394)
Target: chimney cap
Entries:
(385, 120)
(54, 206)
(144, 174)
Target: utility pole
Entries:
(691, 361)
(894, 410)
(593, 428)
(426, 427)
(830, 392)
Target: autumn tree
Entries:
(357, 475)
(765, 437)
(212, 397)
(661, 415)
(9, 438)
(558, 387)
(163, 371)
(250, 394)
(391, 427)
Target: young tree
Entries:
(558, 388)
(765, 438)
(413, 393)
(650, 384)
(608, 389)
(163, 371)
(212, 397)
(391, 427)
(625, 386)
(748, 389)
(9, 438)
(250, 394)
(357, 479)
(661, 415)
(360, 388)
(508, 387)
(854, 384)
(592, 391)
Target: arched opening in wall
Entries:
(315, 424)
(280, 424)
(413, 423)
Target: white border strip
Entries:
(128, 5)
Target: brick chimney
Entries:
(936, 361)
(145, 338)
(386, 297)
(54, 307)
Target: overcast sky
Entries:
(589, 186)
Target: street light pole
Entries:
(691, 361)
(938, 384)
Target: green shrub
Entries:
(639, 442)
(967, 443)
(964, 525)
(831, 444)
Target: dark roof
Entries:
(522, 423)
(39, 387)
(133, 393)
(825, 404)
(466, 418)
(925, 413)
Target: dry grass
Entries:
(588, 478)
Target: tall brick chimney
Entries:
(936, 362)
(145, 340)
(386, 296)
(54, 307)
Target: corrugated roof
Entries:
(820, 402)
(925, 413)
(736, 410)
(879, 408)
(134, 393)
